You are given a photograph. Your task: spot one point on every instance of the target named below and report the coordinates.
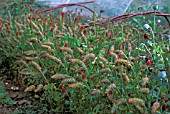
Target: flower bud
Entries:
(155, 7)
(146, 27)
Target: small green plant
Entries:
(4, 99)
(97, 67)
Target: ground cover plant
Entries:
(67, 65)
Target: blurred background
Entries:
(111, 7)
(106, 8)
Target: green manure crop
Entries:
(115, 65)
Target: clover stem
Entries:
(146, 49)
(153, 36)
(154, 43)
(132, 69)
(43, 65)
(154, 20)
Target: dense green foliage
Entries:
(75, 67)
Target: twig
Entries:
(66, 5)
(123, 16)
(167, 20)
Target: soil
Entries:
(13, 89)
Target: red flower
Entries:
(8, 31)
(4, 35)
(70, 60)
(106, 33)
(29, 17)
(30, 9)
(82, 27)
(45, 19)
(110, 35)
(79, 71)
(83, 75)
(51, 29)
(60, 86)
(25, 13)
(36, 11)
(67, 26)
(63, 89)
(17, 32)
(72, 35)
(0, 27)
(120, 55)
(114, 32)
(45, 83)
(109, 52)
(119, 23)
(51, 23)
(75, 19)
(53, 66)
(164, 106)
(44, 33)
(148, 62)
(62, 14)
(66, 44)
(147, 36)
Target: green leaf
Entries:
(2, 95)
(150, 43)
(48, 33)
(129, 87)
(101, 52)
(126, 52)
(119, 39)
(122, 107)
(136, 20)
(67, 102)
(1, 87)
(96, 108)
(84, 45)
(66, 36)
(9, 101)
(168, 103)
(158, 112)
(94, 37)
(120, 85)
(153, 93)
(90, 113)
(163, 89)
(56, 96)
(91, 98)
